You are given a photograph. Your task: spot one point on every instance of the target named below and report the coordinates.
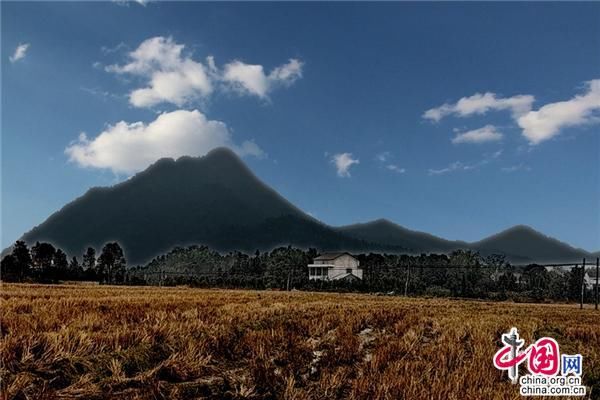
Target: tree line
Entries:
(46, 264)
(462, 273)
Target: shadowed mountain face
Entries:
(216, 201)
(520, 244)
(388, 233)
(525, 241)
(213, 200)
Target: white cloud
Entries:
(497, 154)
(252, 79)
(127, 2)
(452, 167)
(115, 49)
(514, 168)
(537, 125)
(383, 157)
(130, 147)
(20, 52)
(549, 119)
(456, 166)
(343, 162)
(395, 168)
(174, 77)
(488, 133)
(481, 104)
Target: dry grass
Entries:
(74, 342)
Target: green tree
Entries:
(75, 271)
(112, 263)
(42, 255)
(286, 268)
(22, 259)
(60, 260)
(89, 259)
(60, 265)
(9, 270)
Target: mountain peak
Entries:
(384, 231)
(525, 240)
(521, 228)
(382, 221)
(222, 152)
(218, 161)
(213, 200)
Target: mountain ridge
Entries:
(216, 200)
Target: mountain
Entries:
(520, 244)
(217, 201)
(526, 242)
(213, 200)
(388, 233)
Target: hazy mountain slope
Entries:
(521, 244)
(525, 241)
(386, 232)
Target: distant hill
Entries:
(213, 200)
(528, 243)
(388, 233)
(217, 201)
(520, 244)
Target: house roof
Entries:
(331, 256)
(348, 277)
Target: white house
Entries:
(332, 266)
(590, 278)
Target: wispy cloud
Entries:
(497, 153)
(457, 166)
(395, 168)
(20, 52)
(481, 104)
(343, 162)
(103, 94)
(488, 133)
(383, 156)
(175, 77)
(537, 125)
(515, 168)
(384, 159)
(127, 2)
(116, 48)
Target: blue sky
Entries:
(458, 119)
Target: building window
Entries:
(348, 270)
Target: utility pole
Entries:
(582, 284)
(597, 267)
(407, 276)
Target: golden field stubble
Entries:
(147, 343)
